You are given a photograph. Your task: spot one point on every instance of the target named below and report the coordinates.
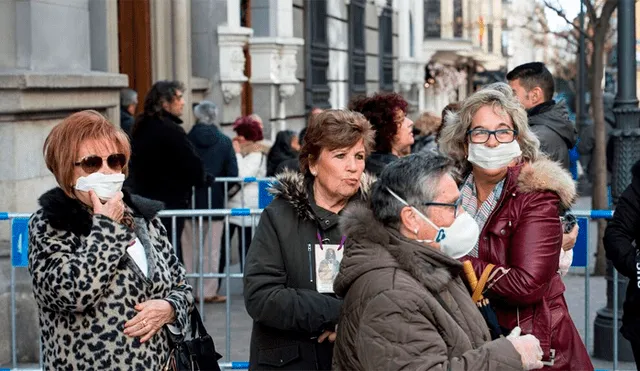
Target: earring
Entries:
(415, 231)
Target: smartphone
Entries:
(568, 222)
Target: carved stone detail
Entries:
(286, 90)
(230, 90)
(410, 73)
(231, 42)
(274, 62)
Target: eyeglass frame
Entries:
(494, 133)
(456, 205)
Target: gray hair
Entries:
(414, 178)
(206, 112)
(128, 97)
(502, 87)
(453, 137)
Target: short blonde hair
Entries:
(63, 143)
(453, 137)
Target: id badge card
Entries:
(327, 265)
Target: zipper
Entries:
(310, 263)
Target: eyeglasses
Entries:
(455, 205)
(480, 136)
(93, 163)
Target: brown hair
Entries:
(63, 143)
(428, 123)
(333, 129)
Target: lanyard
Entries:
(321, 240)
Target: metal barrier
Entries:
(20, 248)
(19, 259)
(201, 276)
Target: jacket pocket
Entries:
(278, 357)
(501, 228)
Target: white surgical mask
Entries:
(493, 158)
(458, 239)
(104, 185)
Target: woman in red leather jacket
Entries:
(516, 195)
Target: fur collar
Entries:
(68, 214)
(547, 175)
(291, 186)
(371, 246)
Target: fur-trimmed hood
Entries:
(547, 175)
(372, 246)
(68, 214)
(292, 187)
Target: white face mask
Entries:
(104, 185)
(458, 239)
(493, 158)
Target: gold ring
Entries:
(144, 322)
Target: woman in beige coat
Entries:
(405, 307)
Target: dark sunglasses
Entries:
(93, 163)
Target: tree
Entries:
(597, 19)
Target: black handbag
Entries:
(198, 353)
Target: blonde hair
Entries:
(453, 136)
(428, 123)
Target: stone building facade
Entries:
(276, 58)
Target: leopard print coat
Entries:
(86, 285)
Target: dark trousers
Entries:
(179, 228)
(246, 236)
(635, 346)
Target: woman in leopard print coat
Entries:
(109, 288)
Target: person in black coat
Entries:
(164, 165)
(294, 322)
(285, 148)
(216, 151)
(620, 242)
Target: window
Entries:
(432, 18)
(490, 38)
(357, 51)
(317, 55)
(386, 49)
(412, 47)
(458, 20)
(505, 43)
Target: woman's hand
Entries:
(112, 209)
(328, 335)
(152, 315)
(569, 239)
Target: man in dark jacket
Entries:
(164, 165)
(219, 159)
(533, 84)
(620, 243)
(128, 103)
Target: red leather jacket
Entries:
(524, 235)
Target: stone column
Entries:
(181, 24)
(273, 68)
(232, 39)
